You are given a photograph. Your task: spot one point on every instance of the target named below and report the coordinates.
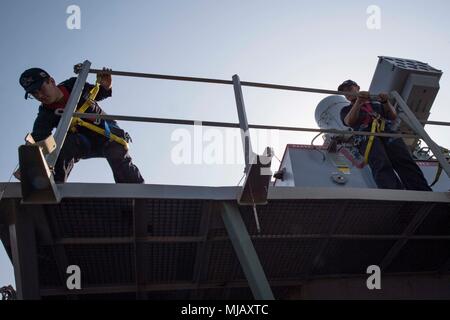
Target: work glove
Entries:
(383, 97)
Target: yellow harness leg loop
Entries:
(76, 121)
(101, 131)
(377, 126)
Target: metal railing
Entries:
(405, 113)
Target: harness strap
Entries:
(439, 169)
(378, 125)
(102, 132)
(437, 176)
(105, 132)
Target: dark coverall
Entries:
(84, 143)
(389, 158)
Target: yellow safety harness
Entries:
(378, 125)
(79, 122)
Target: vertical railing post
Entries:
(66, 118)
(408, 116)
(243, 124)
(24, 253)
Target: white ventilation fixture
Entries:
(328, 113)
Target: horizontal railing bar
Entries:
(235, 125)
(293, 88)
(335, 131)
(160, 76)
(155, 120)
(436, 123)
(243, 83)
(221, 81)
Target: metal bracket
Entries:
(256, 185)
(37, 181)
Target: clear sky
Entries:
(302, 43)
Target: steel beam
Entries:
(415, 223)
(5, 240)
(445, 268)
(201, 264)
(229, 279)
(24, 254)
(48, 232)
(130, 240)
(149, 191)
(140, 230)
(246, 252)
(399, 281)
(340, 213)
(176, 239)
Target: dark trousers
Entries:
(84, 146)
(390, 156)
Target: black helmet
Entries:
(32, 79)
(346, 84)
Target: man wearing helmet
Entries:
(389, 159)
(81, 142)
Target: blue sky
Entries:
(303, 43)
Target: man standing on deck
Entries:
(389, 158)
(86, 138)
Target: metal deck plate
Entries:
(187, 254)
